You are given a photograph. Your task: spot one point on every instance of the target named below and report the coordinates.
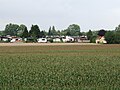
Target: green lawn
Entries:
(60, 67)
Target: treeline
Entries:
(111, 36)
(22, 31)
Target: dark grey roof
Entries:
(101, 32)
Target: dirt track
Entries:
(42, 44)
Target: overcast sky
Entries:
(89, 14)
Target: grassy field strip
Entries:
(75, 67)
(44, 44)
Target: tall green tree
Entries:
(74, 30)
(68, 33)
(58, 32)
(64, 32)
(25, 33)
(11, 29)
(2, 33)
(117, 29)
(54, 32)
(42, 34)
(89, 35)
(50, 32)
(94, 36)
(35, 31)
(21, 29)
(110, 37)
(117, 35)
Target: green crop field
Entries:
(64, 67)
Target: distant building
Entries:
(11, 39)
(4, 38)
(68, 39)
(101, 38)
(83, 39)
(16, 40)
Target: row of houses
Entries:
(13, 39)
(82, 39)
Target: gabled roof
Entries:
(101, 32)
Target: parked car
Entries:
(42, 40)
